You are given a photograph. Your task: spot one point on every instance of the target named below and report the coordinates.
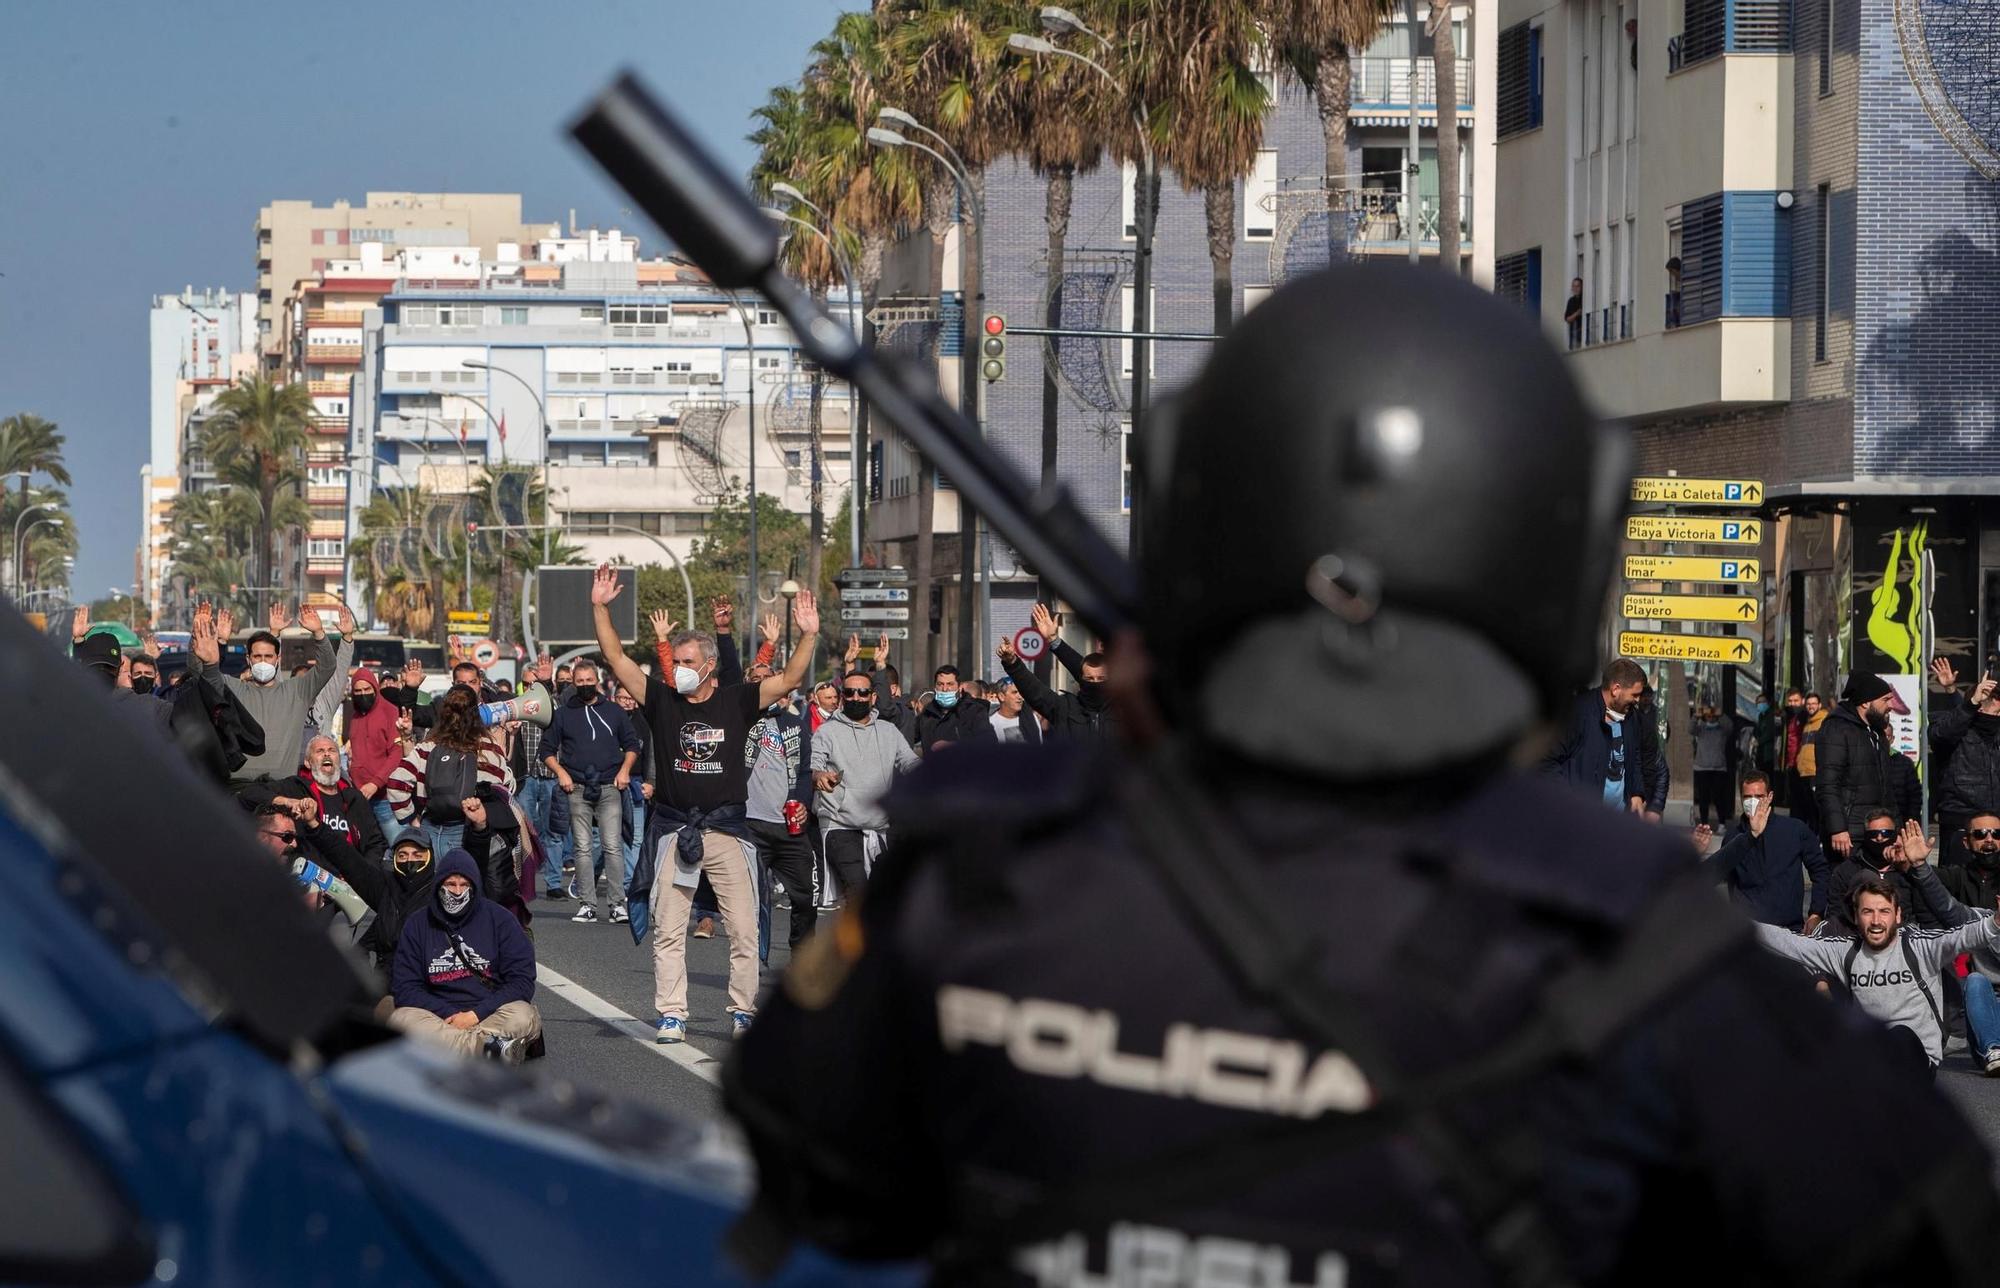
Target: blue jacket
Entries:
(428, 970)
(1766, 875)
(590, 736)
(1581, 752)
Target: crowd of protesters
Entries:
(1843, 881)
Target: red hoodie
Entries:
(373, 747)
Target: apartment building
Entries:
(1783, 227)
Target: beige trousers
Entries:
(514, 1020)
(729, 877)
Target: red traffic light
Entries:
(995, 324)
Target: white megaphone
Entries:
(532, 704)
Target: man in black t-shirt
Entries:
(698, 823)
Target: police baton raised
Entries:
(712, 219)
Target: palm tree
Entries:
(255, 439)
(1316, 39)
(1444, 59)
(30, 445)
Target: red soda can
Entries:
(795, 817)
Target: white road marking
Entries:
(685, 1054)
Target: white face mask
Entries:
(1750, 804)
(263, 672)
(686, 680)
(454, 902)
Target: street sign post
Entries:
(865, 616)
(875, 594)
(1669, 491)
(1683, 568)
(1727, 532)
(1667, 647)
(1689, 608)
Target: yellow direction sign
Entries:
(1727, 532)
(1690, 608)
(1684, 568)
(1662, 646)
(1698, 491)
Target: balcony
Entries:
(1382, 221)
(1385, 82)
(323, 495)
(333, 317)
(327, 530)
(1731, 361)
(340, 354)
(327, 388)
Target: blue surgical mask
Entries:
(946, 700)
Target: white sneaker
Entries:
(619, 916)
(1993, 1060)
(588, 912)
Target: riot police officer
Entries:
(1315, 986)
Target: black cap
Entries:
(1865, 686)
(99, 651)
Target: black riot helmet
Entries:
(1384, 504)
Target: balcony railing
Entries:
(333, 317)
(342, 353)
(327, 388)
(1387, 80)
(1382, 219)
(1603, 325)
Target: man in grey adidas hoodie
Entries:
(1895, 973)
(855, 757)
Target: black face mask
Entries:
(363, 703)
(586, 693)
(857, 711)
(143, 683)
(1986, 859)
(1091, 694)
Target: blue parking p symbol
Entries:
(1729, 572)
(1732, 491)
(1731, 531)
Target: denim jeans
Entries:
(445, 837)
(385, 818)
(1982, 1015)
(603, 818)
(536, 793)
(638, 806)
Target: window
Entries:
(769, 363)
(1518, 277)
(1255, 295)
(417, 315)
(592, 312)
(1260, 198)
(1520, 70)
(514, 315)
(767, 317)
(1825, 53)
(1823, 270)
(1125, 468)
(641, 314)
(1125, 323)
(1128, 201)
(324, 475)
(325, 548)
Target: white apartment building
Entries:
(629, 381)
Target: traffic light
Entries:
(993, 349)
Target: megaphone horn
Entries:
(532, 704)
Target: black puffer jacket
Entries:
(1971, 782)
(1084, 714)
(1854, 775)
(965, 722)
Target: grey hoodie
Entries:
(279, 708)
(867, 758)
(1881, 981)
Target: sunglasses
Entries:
(1982, 833)
(857, 693)
(1879, 833)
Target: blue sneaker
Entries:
(669, 1028)
(739, 1023)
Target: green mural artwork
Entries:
(1896, 611)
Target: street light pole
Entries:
(750, 403)
(1413, 169)
(969, 253)
(856, 470)
(15, 547)
(1144, 215)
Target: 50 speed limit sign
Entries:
(1029, 644)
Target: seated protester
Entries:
(1895, 972)
(1873, 857)
(952, 717)
(855, 759)
(428, 788)
(341, 806)
(282, 823)
(1764, 860)
(464, 971)
(1011, 719)
(1968, 891)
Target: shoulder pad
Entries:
(1033, 786)
(1540, 842)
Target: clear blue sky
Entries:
(141, 138)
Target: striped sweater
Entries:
(407, 793)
